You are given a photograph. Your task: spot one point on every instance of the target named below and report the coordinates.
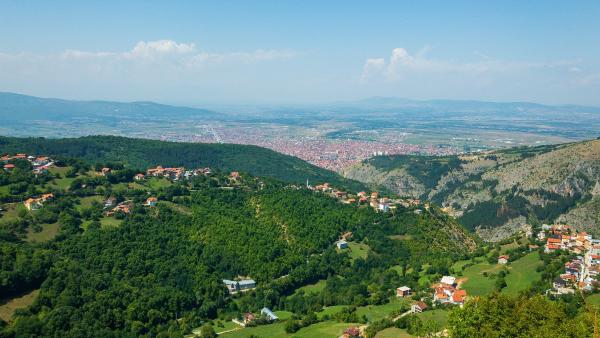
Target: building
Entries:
(151, 201)
(403, 291)
(105, 171)
(248, 318)
(448, 280)
(110, 202)
(9, 167)
(503, 259)
(138, 177)
(269, 314)
(418, 307)
(239, 286)
(33, 204)
(341, 244)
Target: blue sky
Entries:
(302, 51)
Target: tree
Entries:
(207, 331)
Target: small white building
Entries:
(341, 244)
(448, 280)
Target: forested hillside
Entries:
(157, 269)
(497, 193)
(142, 153)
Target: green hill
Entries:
(500, 192)
(159, 269)
(143, 153)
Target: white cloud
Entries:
(402, 64)
(185, 53)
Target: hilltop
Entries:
(144, 153)
(500, 192)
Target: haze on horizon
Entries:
(234, 52)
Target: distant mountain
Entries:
(143, 153)
(498, 193)
(386, 103)
(17, 107)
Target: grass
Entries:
(323, 329)
(477, 284)
(62, 183)
(357, 250)
(377, 312)
(109, 222)
(87, 201)
(7, 309)
(522, 273)
(156, 183)
(11, 211)
(330, 310)
(59, 170)
(392, 332)
(227, 325)
(439, 316)
(137, 186)
(593, 300)
(313, 288)
(48, 232)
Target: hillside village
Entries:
(581, 272)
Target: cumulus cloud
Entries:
(401, 64)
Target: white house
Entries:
(448, 280)
(341, 244)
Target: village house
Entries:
(9, 167)
(446, 292)
(33, 204)
(37, 203)
(139, 177)
(248, 318)
(239, 286)
(403, 291)
(105, 171)
(151, 201)
(124, 207)
(341, 244)
(268, 314)
(351, 332)
(503, 259)
(418, 307)
(110, 202)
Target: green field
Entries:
(522, 273)
(323, 329)
(377, 312)
(330, 310)
(392, 332)
(109, 222)
(475, 282)
(86, 202)
(226, 326)
(48, 232)
(7, 308)
(357, 250)
(11, 211)
(593, 300)
(156, 183)
(439, 316)
(313, 288)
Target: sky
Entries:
(194, 52)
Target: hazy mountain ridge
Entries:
(17, 107)
(501, 191)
